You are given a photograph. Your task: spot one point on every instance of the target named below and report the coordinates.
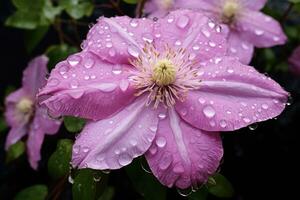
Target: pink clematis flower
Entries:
(247, 27)
(294, 61)
(160, 88)
(23, 114)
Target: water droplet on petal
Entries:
(265, 106)
(162, 115)
(124, 159)
(246, 120)
(85, 149)
(183, 21)
(53, 82)
(165, 162)
(117, 69)
(209, 111)
(161, 142)
(201, 100)
(89, 63)
(63, 69)
(133, 51)
(112, 52)
(153, 128)
(74, 84)
(134, 23)
(259, 32)
(107, 87)
(76, 149)
(124, 84)
(185, 192)
(147, 37)
(70, 179)
(254, 126)
(74, 60)
(223, 123)
(211, 25)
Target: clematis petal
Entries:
(254, 4)
(34, 144)
(240, 48)
(84, 79)
(294, 61)
(34, 76)
(197, 34)
(15, 134)
(119, 39)
(43, 122)
(11, 115)
(231, 96)
(260, 29)
(206, 5)
(182, 155)
(114, 142)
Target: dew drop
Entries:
(165, 162)
(254, 126)
(178, 43)
(109, 45)
(185, 192)
(265, 106)
(76, 149)
(107, 87)
(74, 84)
(183, 21)
(63, 69)
(74, 60)
(70, 179)
(246, 120)
(209, 111)
(148, 38)
(53, 82)
(112, 52)
(223, 123)
(117, 69)
(162, 115)
(153, 128)
(133, 51)
(201, 100)
(211, 25)
(259, 32)
(161, 142)
(134, 23)
(89, 63)
(124, 84)
(85, 149)
(124, 159)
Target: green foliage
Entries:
(33, 37)
(89, 184)
(3, 125)
(220, 187)
(77, 8)
(31, 15)
(15, 151)
(294, 1)
(131, 1)
(36, 192)
(108, 194)
(59, 161)
(74, 124)
(144, 183)
(57, 53)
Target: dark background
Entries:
(261, 164)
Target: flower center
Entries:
(164, 73)
(25, 106)
(230, 9)
(166, 4)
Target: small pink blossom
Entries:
(294, 61)
(23, 114)
(162, 89)
(247, 27)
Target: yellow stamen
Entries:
(166, 4)
(230, 9)
(24, 106)
(164, 73)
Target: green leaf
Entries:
(108, 194)
(80, 10)
(89, 184)
(57, 53)
(222, 188)
(34, 37)
(74, 124)
(131, 1)
(200, 194)
(294, 1)
(36, 192)
(59, 161)
(24, 20)
(28, 5)
(145, 184)
(15, 151)
(3, 125)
